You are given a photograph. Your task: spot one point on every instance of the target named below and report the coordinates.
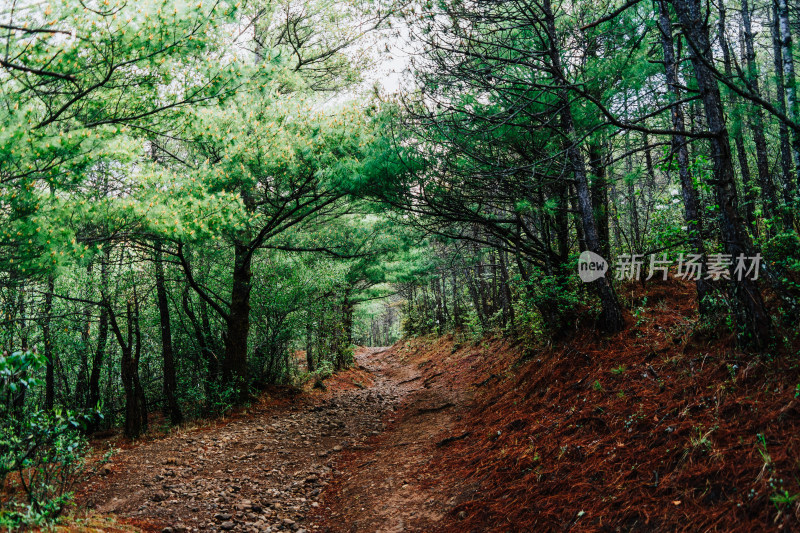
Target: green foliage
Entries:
(219, 400)
(324, 370)
(45, 450)
(47, 453)
(556, 300)
(17, 373)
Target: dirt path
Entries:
(386, 486)
(340, 460)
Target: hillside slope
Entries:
(656, 429)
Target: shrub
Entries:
(47, 453)
(45, 450)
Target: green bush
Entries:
(556, 300)
(16, 377)
(324, 370)
(47, 453)
(45, 450)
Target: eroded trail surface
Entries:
(339, 460)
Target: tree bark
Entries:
(234, 363)
(746, 301)
(133, 322)
(50, 385)
(783, 129)
(133, 418)
(93, 397)
(741, 154)
(789, 82)
(611, 315)
(599, 189)
(691, 202)
(170, 383)
(757, 119)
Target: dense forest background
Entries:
(192, 194)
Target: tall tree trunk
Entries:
(133, 322)
(741, 153)
(746, 300)
(437, 298)
(170, 383)
(93, 397)
(347, 333)
(789, 82)
(133, 418)
(234, 363)
(442, 284)
(456, 307)
(505, 286)
(757, 119)
(615, 222)
(783, 129)
(599, 190)
(691, 202)
(611, 315)
(20, 394)
(49, 380)
(311, 366)
(633, 208)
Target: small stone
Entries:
(227, 526)
(222, 516)
(337, 448)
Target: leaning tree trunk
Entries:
(747, 304)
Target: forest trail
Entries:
(345, 459)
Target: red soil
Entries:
(655, 428)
